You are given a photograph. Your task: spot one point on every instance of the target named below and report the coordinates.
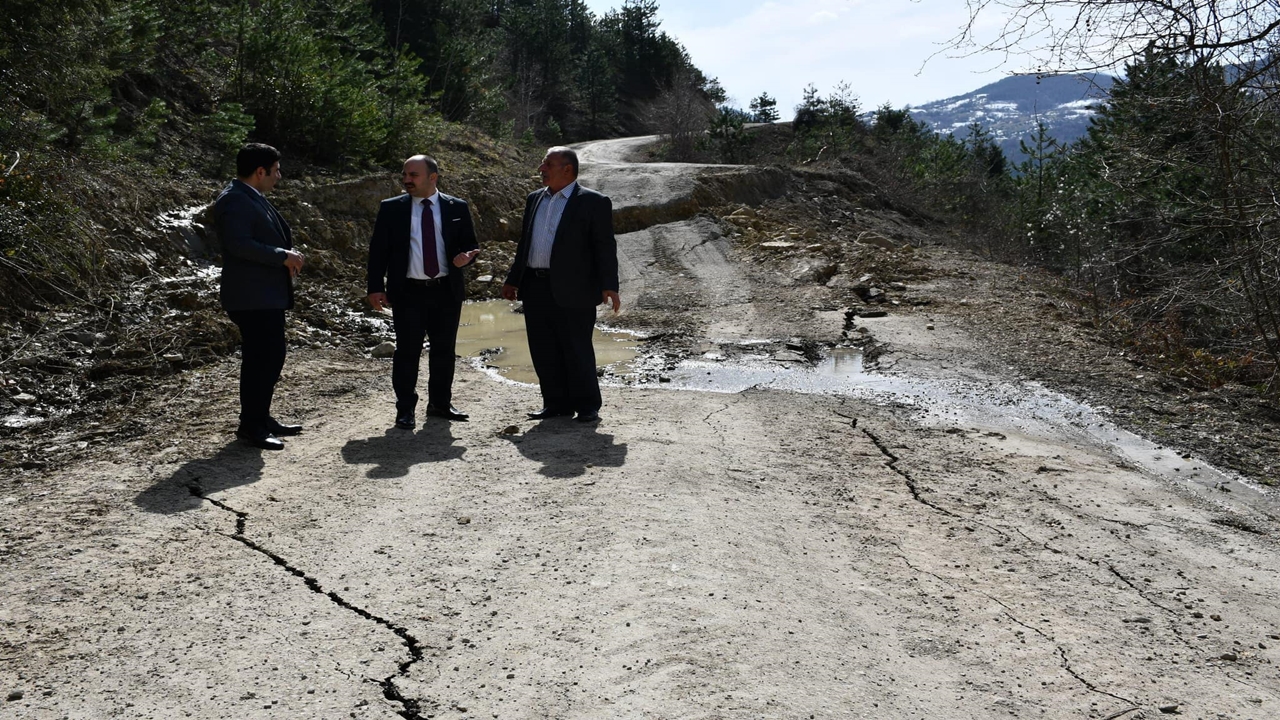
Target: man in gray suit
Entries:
(566, 265)
(258, 267)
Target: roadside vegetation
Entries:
(112, 111)
(1163, 220)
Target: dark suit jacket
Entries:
(584, 255)
(389, 246)
(254, 238)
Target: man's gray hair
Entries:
(567, 155)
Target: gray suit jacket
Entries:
(254, 238)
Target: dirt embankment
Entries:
(926, 533)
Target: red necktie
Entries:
(430, 264)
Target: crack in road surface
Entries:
(411, 708)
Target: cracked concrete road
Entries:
(754, 554)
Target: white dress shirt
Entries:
(546, 219)
(415, 237)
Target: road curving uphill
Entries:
(774, 527)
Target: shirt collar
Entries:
(433, 197)
(260, 193)
(565, 191)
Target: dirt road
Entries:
(767, 530)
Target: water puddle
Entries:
(492, 333)
(1025, 408)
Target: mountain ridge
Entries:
(1010, 107)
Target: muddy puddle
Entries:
(1023, 408)
(492, 335)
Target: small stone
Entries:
(511, 676)
(1169, 709)
(24, 399)
(173, 357)
(15, 696)
(464, 520)
(1229, 657)
(873, 314)
(87, 339)
(511, 430)
(384, 350)
(1215, 617)
(929, 326)
(1197, 615)
(485, 279)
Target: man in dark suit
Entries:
(258, 267)
(566, 265)
(421, 241)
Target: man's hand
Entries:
(508, 291)
(379, 301)
(611, 297)
(462, 259)
(293, 260)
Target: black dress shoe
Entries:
(586, 417)
(545, 413)
(449, 413)
(260, 439)
(279, 429)
(404, 420)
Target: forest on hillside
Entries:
(349, 83)
(1163, 220)
(110, 108)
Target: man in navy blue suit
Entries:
(421, 241)
(258, 268)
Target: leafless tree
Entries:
(1230, 50)
(682, 114)
(1098, 35)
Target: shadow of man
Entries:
(233, 465)
(396, 451)
(565, 449)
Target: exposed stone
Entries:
(868, 237)
(25, 399)
(383, 350)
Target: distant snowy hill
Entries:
(1008, 109)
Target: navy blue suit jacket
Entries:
(389, 246)
(254, 238)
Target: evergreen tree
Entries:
(764, 109)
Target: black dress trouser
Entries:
(261, 360)
(560, 347)
(421, 312)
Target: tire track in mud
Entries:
(411, 708)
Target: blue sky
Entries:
(879, 47)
